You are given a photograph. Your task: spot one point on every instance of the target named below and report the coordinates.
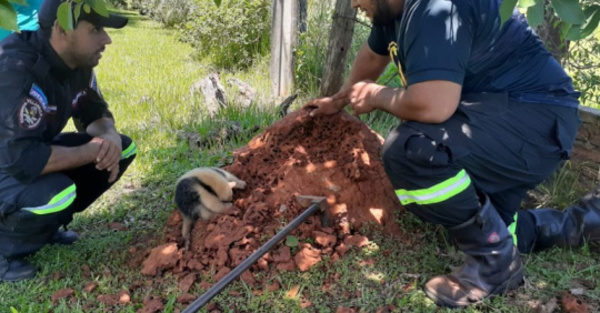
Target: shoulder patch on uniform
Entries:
(30, 114)
(36, 93)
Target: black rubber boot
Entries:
(15, 270)
(575, 225)
(493, 264)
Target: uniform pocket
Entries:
(565, 138)
(541, 159)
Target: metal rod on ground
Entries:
(238, 270)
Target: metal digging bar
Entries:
(238, 270)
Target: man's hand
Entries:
(109, 154)
(362, 96)
(327, 105)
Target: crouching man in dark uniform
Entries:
(46, 176)
(489, 114)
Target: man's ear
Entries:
(56, 28)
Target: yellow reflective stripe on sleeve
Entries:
(58, 203)
(512, 228)
(438, 193)
(131, 150)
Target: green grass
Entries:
(146, 75)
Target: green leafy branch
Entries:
(68, 21)
(578, 19)
(8, 15)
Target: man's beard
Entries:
(81, 59)
(84, 60)
(383, 16)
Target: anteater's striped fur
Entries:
(202, 193)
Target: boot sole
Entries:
(506, 286)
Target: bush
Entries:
(583, 63)
(170, 13)
(122, 4)
(231, 35)
(311, 52)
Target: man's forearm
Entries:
(400, 103)
(426, 102)
(102, 126)
(389, 100)
(65, 158)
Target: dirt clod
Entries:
(572, 304)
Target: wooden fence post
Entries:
(283, 42)
(340, 40)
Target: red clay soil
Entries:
(336, 157)
(572, 304)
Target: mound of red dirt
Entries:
(335, 156)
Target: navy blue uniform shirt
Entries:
(461, 41)
(38, 96)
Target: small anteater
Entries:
(202, 193)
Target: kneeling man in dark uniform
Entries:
(45, 175)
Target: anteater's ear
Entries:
(232, 184)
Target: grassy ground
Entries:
(146, 76)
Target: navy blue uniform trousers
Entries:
(492, 145)
(31, 213)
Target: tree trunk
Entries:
(340, 40)
(550, 35)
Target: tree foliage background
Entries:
(567, 28)
(576, 20)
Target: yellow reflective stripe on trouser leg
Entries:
(58, 203)
(438, 193)
(131, 150)
(512, 228)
